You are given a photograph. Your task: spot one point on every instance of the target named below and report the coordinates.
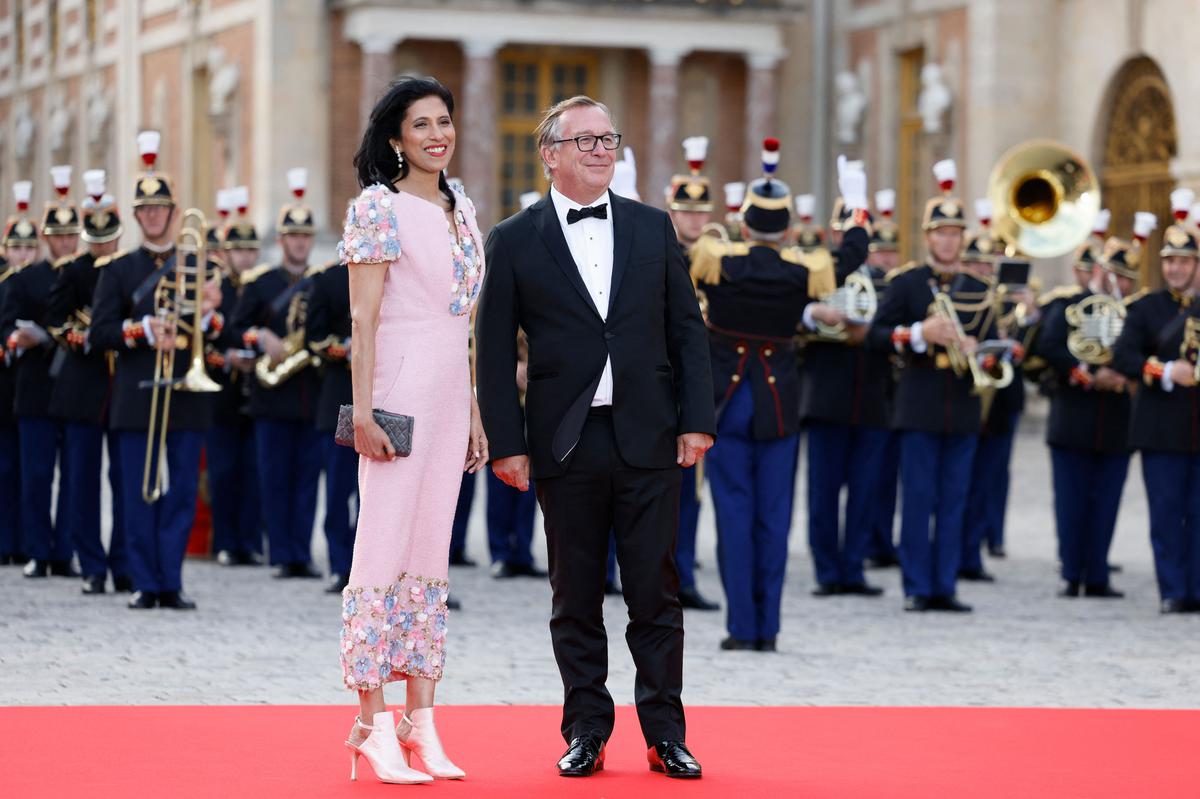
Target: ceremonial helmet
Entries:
(768, 203)
(1091, 252)
(152, 187)
(61, 217)
(240, 233)
(885, 234)
(101, 221)
(18, 230)
(808, 235)
(982, 245)
(1123, 257)
(1177, 239)
(946, 210)
(691, 192)
(296, 217)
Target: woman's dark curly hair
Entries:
(375, 159)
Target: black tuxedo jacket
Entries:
(662, 382)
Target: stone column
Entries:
(377, 71)
(477, 132)
(761, 98)
(664, 152)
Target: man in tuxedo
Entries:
(619, 400)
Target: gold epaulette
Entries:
(822, 277)
(1135, 296)
(105, 260)
(707, 253)
(1060, 293)
(313, 271)
(5, 272)
(899, 270)
(66, 259)
(254, 273)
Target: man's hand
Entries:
(1183, 373)
(271, 344)
(513, 471)
(856, 333)
(25, 338)
(212, 297)
(939, 331)
(691, 448)
(826, 314)
(164, 332)
(242, 363)
(1107, 379)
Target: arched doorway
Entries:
(1138, 145)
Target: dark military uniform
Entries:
(328, 333)
(12, 549)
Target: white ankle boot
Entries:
(417, 735)
(381, 749)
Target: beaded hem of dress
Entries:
(393, 632)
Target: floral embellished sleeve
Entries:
(370, 235)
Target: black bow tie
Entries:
(597, 211)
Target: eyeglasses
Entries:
(586, 144)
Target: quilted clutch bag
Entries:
(399, 429)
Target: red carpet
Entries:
(267, 751)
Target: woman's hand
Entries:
(477, 447)
(370, 440)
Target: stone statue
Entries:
(934, 99)
(24, 130)
(851, 104)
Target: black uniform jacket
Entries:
(8, 375)
(267, 295)
(82, 383)
(328, 333)
(26, 299)
(231, 405)
(929, 396)
(662, 384)
(125, 292)
(1083, 419)
(1163, 421)
(840, 383)
(753, 312)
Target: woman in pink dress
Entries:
(415, 259)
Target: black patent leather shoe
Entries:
(764, 645)
(122, 585)
(882, 562)
(916, 604)
(694, 600)
(461, 559)
(529, 570)
(997, 552)
(503, 570)
(94, 584)
(732, 644)
(1070, 589)
(63, 568)
(176, 600)
(36, 569)
(976, 576)
(1174, 606)
(827, 589)
(673, 759)
(336, 584)
(1102, 591)
(612, 589)
(304, 571)
(143, 600)
(452, 603)
(1115, 568)
(949, 604)
(862, 589)
(583, 758)
(226, 558)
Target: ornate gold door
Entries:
(1138, 147)
(532, 80)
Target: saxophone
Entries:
(296, 355)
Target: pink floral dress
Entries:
(394, 608)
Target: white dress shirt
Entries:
(591, 243)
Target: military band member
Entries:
(21, 248)
(935, 410)
(271, 317)
(23, 325)
(807, 234)
(690, 206)
(131, 316)
(232, 458)
(735, 195)
(883, 257)
(843, 405)
(1088, 427)
(1158, 348)
(80, 397)
(329, 338)
(756, 292)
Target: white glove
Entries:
(852, 184)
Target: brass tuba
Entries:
(177, 295)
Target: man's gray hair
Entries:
(549, 130)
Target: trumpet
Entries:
(856, 300)
(1096, 322)
(176, 295)
(960, 362)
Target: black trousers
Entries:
(599, 493)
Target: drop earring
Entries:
(400, 157)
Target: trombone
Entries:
(171, 304)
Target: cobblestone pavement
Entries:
(256, 640)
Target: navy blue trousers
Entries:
(157, 535)
(1087, 495)
(882, 543)
(753, 486)
(935, 472)
(233, 487)
(118, 545)
(988, 498)
(289, 464)
(41, 439)
(462, 515)
(1173, 491)
(10, 492)
(510, 515)
(79, 487)
(689, 519)
(850, 457)
(341, 486)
